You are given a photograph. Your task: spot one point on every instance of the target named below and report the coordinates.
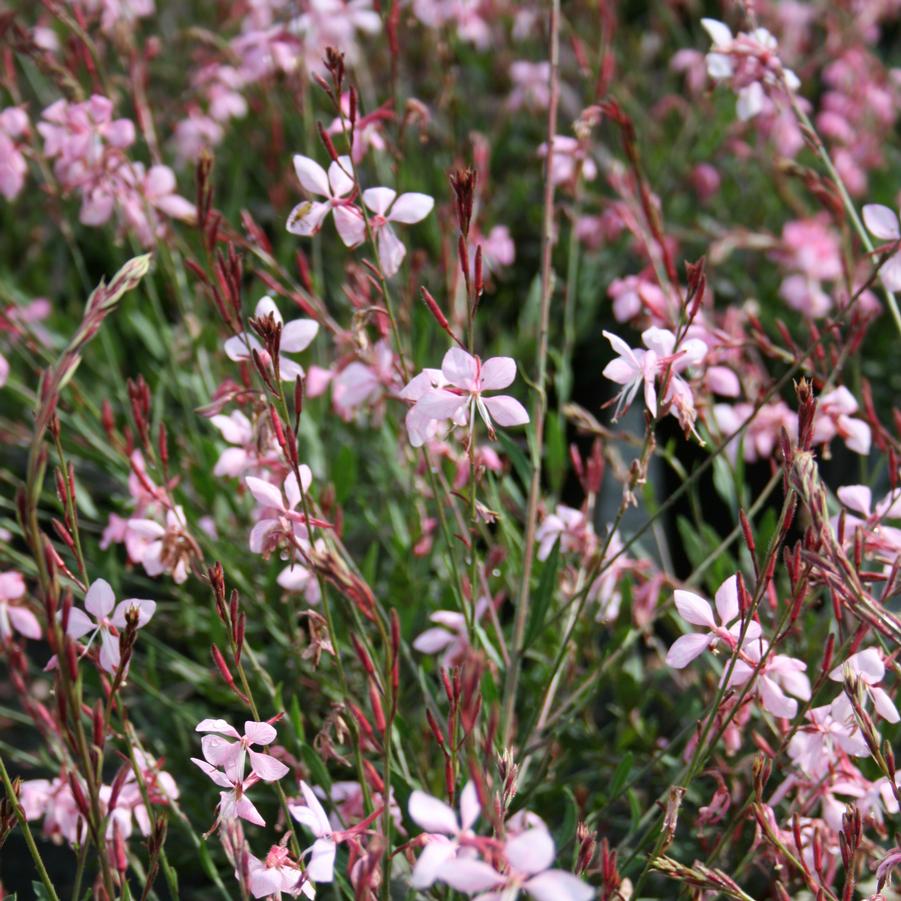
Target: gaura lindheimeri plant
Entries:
(606, 605)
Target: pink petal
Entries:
(726, 600)
(557, 885)
(145, 609)
(379, 199)
(694, 609)
(619, 346)
(621, 370)
(79, 623)
(531, 851)
(430, 861)
(265, 493)
(99, 599)
(391, 251)
(857, 497)
(686, 648)
(222, 726)
(775, 700)
(506, 411)
(314, 815)
(890, 273)
(469, 875)
(498, 373)
(719, 32)
(412, 207)
(857, 434)
(438, 404)
(311, 175)
(350, 225)
(884, 705)
(339, 176)
(216, 775)
(881, 221)
(297, 335)
(293, 490)
(26, 623)
(109, 651)
(221, 752)
(260, 733)
(235, 429)
(432, 640)
(431, 814)
(460, 369)
(469, 805)
(267, 767)
(245, 809)
(321, 866)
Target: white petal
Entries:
(531, 851)
(881, 221)
(99, 599)
(412, 207)
(379, 199)
(311, 175)
(693, 608)
(431, 814)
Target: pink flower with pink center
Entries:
(386, 208)
(107, 622)
(456, 391)
(724, 626)
(337, 186)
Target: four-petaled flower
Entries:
(337, 187)
(99, 602)
(387, 208)
(457, 389)
(695, 610)
(296, 336)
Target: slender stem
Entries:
(540, 406)
(26, 831)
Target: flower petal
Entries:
(311, 175)
(379, 199)
(506, 410)
(726, 600)
(557, 885)
(531, 851)
(411, 207)
(694, 609)
(267, 767)
(297, 335)
(339, 176)
(307, 217)
(265, 493)
(881, 221)
(498, 373)
(686, 648)
(350, 225)
(99, 599)
(460, 369)
(431, 814)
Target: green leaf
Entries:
(621, 774)
(543, 594)
(344, 473)
(521, 465)
(555, 444)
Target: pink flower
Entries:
(321, 866)
(230, 756)
(306, 218)
(457, 391)
(530, 856)
(695, 610)
(778, 672)
(571, 527)
(530, 85)
(225, 760)
(13, 616)
(449, 634)
(814, 746)
(749, 63)
(237, 430)
(162, 548)
(632, 369)
(833, 418)
(569, 159)
(407, 209)
(297, 335)
(99, 602)
(280, 515)
(869, 669)
(883, 223)
(276, 874)
(444, 834)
